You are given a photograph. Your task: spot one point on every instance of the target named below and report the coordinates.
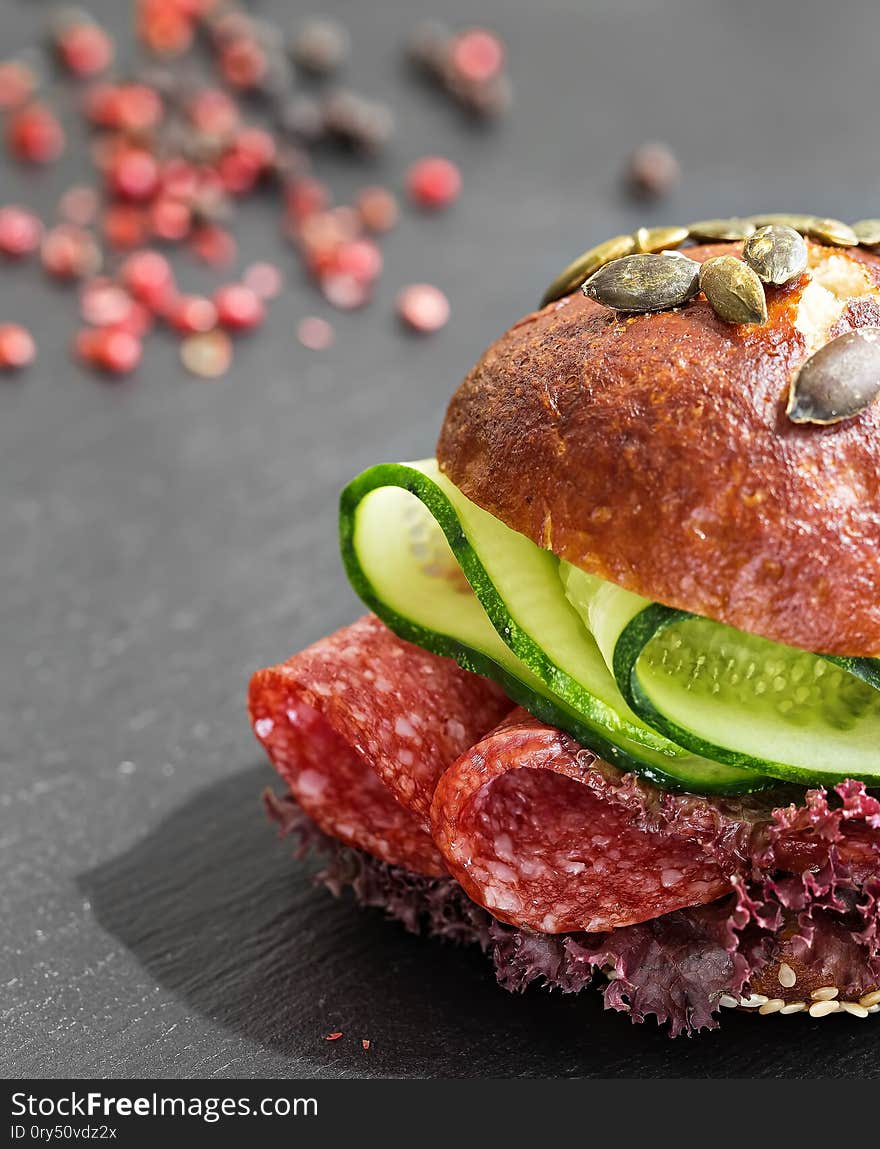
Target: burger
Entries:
(614, 713)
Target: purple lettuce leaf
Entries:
(813, 897)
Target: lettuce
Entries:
(814, 888)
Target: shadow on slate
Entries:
(221, 915)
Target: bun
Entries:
(655, 451)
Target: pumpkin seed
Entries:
(828, 231)
(651, 240)
(797, 222)
(867, 231)
(832, 232)
(646, 282)
(581, 268)
(734, 290)
(839, 381)
(776, 252)
(721, 230)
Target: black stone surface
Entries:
(164, 537)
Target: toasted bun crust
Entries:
(655, 451)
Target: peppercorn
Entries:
(433, 182)
(652, 171)
(378, 209)
(149, 278)
(114, 351)
(20, 231)
(423, 307)
(239, 307)
(34, 134)
(17, 347)
(69, 252)
(81, 44)
(320, 47)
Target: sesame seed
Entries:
(787, 976)
(825, 993)
(728, 1002)
(854, 1008)
(755, 1001)
(774, 1005)
(794, 1007)
(824, 1008)
(870, 999)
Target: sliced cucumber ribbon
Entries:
(445, 574)
(732, 696)
(688, 702)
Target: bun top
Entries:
(655, 451)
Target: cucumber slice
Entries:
(735, 697)
(443, 573)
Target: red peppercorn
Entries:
(476, 56)
(20, 231)
(314, 333)
(133, 174)
(70, 252)
(165, 28)
(434, 182)
(17, 347)
(258, 147)
(137, 321)
(149, 278)
(104, 303)
(179, 179)
(423, 307)
(378, 209)
(213, 245)
(304, 197)
(191, 314)
(344, 291)
(79, 205)
(131, 108)
(34, 134)
(236, 171)
(265, 279)
(83, 47)
(18, 82)
(320, 237)
(239, 307)
(213, 113)
(360, 258)
(124, 226)
(115, 351)
(242, 63)
(170, 219)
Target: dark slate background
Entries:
(163, 538)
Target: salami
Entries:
(361, 725)
(403, 754)
(545, 835)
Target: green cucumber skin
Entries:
(867, 669)
(632, 641)
(546, 710)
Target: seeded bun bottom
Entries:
(655, 451)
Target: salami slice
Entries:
(545, 835)
(361, 725)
